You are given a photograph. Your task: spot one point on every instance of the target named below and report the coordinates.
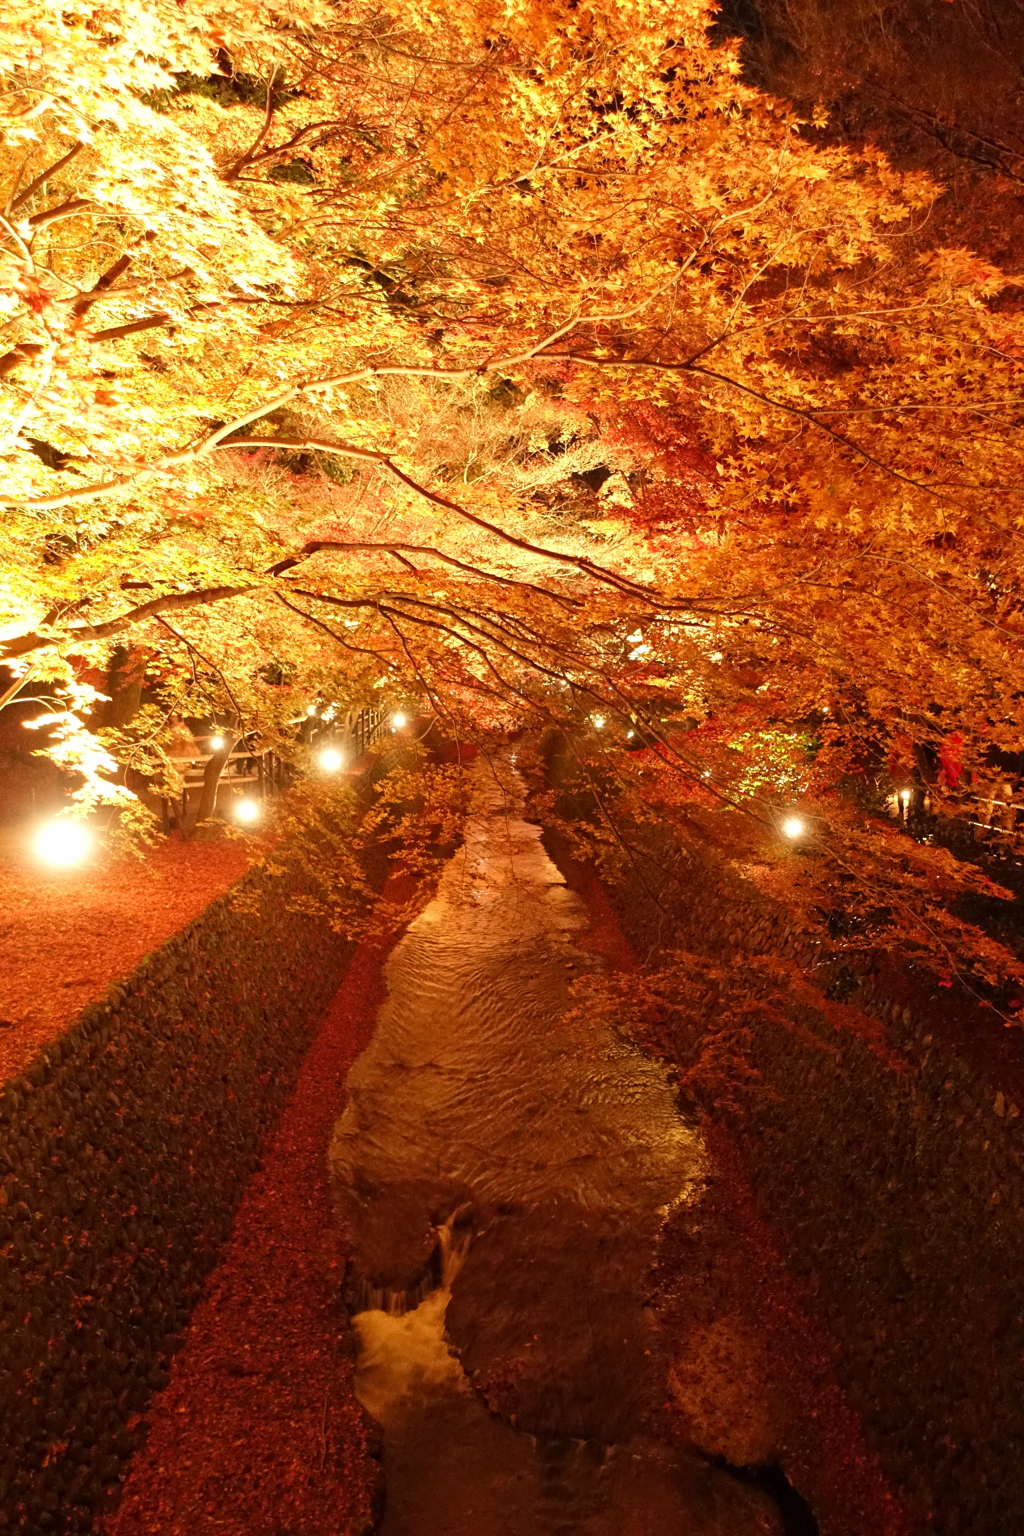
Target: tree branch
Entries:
(313, 548)
(66, 210)
(37, 181)
(102, 283)
(25, 644)
(113, 332)
(370, 455)
(268, 116)
(779, 405)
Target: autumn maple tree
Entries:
(520, 358)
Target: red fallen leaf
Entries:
(107, 920)
(269, 1293)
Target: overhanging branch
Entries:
(24, 644)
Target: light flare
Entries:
(63, 843)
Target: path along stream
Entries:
(503, 1173)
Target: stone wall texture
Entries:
(124, 1149)
(890, 1162)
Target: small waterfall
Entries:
(403, 1354)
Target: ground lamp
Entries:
(793, 826)
(331, 760)
(397, 721)
(62, 843)
(247, 810)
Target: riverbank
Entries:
(65, 936)
(258, 1430)
(883, 1167)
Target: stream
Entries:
(503, 1173)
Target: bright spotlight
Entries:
(905, 796)
(397, 721)
(793, 826)
(630, 735)
(63, 843)
(311, 710)
(598, 721)
(216, 742)
(330, 760)
(247, 810)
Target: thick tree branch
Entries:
(37, 181)
(268, 117)
(105, 281)
(66, 210)
(130, 327)
(23, 645)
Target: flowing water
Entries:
(503, 1172)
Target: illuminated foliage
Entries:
(520, 357)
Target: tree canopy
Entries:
(516, 356)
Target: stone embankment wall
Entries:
(124, 1150)
(891, 1164)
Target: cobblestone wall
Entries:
(124, 1149)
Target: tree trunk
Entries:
(211, 779)
(124, 685)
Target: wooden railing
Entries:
(256, 774)
(366, 729)
(261, 775)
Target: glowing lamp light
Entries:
(311, 710)
(247, 811)
(216, 742)
(331, 760)
(905, 796)
(630, 735)
(599, 722)
(397, 721)
(63, 843)
(793, 826)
